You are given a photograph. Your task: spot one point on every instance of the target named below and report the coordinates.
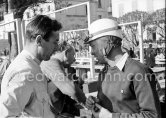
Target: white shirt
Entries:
(120, 64)
(24, 89)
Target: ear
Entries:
(39, 40)
(66, 52)
(65, 55)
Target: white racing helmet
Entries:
(103, 27)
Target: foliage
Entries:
(19, 6)
(134, 16)
(158, 15)
(61, 4)
(157, 21)
(130, 35)
(151, 22)
(130, 31)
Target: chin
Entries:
(47, 58)
(102, 62)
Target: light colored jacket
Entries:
(24, 89)
(54, 70)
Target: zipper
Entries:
(43, 107)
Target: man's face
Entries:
(98, 46)
(50, 46)
(70, 55)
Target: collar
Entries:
(33, 57)
(121, 63)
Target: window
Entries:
(154, 36)
(99, 4)
(99, 16)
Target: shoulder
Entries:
(52, 63)
(21, 69)
(137, 67)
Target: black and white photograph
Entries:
(82, 58)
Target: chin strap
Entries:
(111, 43)
(108, 48)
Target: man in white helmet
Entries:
(126, 88)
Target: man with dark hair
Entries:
(126, 88)
(24, 88)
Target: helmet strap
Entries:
(108, 48)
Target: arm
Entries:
(53, 71)
(3, 67)
(15, 97)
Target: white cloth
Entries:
(104, 113)
(120, 64)
(24, 89)
(54, 70)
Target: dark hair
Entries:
(41, 25)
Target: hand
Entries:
(96, 110)
(90, 102)
(101, 112)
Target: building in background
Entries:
(75, 18)
(72, 19)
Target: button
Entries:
(122, 91)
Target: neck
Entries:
(115, 54)
(33, 50)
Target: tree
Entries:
(151, 22)
(61, 4)
(130, 31)
(157, 22)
